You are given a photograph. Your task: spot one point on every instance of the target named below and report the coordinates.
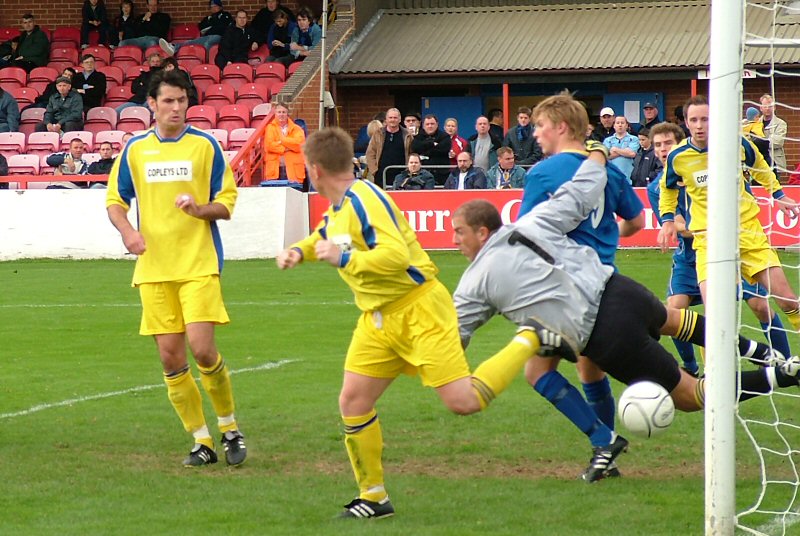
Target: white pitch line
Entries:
(71, 401)
(137, 304)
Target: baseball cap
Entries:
(606, 111)
(649, 105)
(63, 79)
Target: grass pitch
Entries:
(92, 446)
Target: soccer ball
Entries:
(646, 409)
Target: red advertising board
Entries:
(430, 214)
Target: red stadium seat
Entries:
(133, 119)
(233, 116)
(100, 118)
(252, 94)
(259, 113)
(190, 55)
(114, 75)
(129, 53)
(43, 143)
(274, 86)
(133, 71)
(12, 143)
(184, 32)
(116, 95)
(229, 155)
(23, 164)
(221, 136)
(7, 34)
(155, 49)
(61, 54)
(237, 74)
(292, 68)
(85, 136)
(218, 95)
(204, 75)
(44, 169)
(43, 74)
(212, 54)
(24, 95)
(259, 55)
(66, 37)
(13, 77)
(238, 138)
(102, 55)
(114, 137)
(29, 119)
(271, 70)
(204, 117)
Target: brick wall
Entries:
(68, 12)
(358, 105)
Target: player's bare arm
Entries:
(789, 206)
(133, 239)
(667, 236)
(632, 226)
(209, 212)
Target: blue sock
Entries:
(568, 400)
(686, 351)
(776, 335)
(601, 400)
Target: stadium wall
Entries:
(73, 224)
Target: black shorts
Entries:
(624, 341)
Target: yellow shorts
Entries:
(168, 307)
(418, 334)
(755, 252)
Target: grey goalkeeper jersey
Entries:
(530, 268)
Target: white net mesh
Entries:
(768, 441)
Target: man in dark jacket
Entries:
(151, 26)
(465, 176)
(50, 90)
(646, 166)
(212, 28)
(9, 112)
(140, 83)
(605, 127)
(64, 111)
(522, 141)
(237, 42)
(29, 50)
(90, 83)
(433, 147)
(102, 166)
(265, 18)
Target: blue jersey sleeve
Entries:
(628, 205)
(546, 177)
(654, 195)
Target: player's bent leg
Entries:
(597, 389)
(774, 279)
(685, 349)
(460, 396)
(689, 394)
(363, 438)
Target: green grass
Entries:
(112, 465)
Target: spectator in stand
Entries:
(149, 27)
(64, 111)
(362, 140)
(483, 145)
(69, 162)
(412, 123)
(124, 24)
(775, 131)
(3, 171)
(9, 112)
(495, 117)
(212, 28)
(95, 17)
(459, 144)
(505, 174)
(102, 166)
(279, 38)
(466, 176)
(50, 90)
(388, 146)
(30, 49)
(306, 36)
(753, 129)
(622, 146)
(646, 166)
(237, 42)
(605, 127)
(414, 177)
(90, 84)
(680, 120)
(125, 138)
(522, 141)
(433, 147)
(140, 83)
(283, 141)
(265, 18)
(651, 118)
(171, 64)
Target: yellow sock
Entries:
(495, 374)
(700, 393)
(794, 318)
(185, 397)
(364, 442)
(216, 381)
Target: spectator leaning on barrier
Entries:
(505, 174)
(69, 162)
(466, 176)
(279, 39)
(103, 166)
(9, 112)
(414, 177)
(306, 36)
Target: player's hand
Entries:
(667, 235)
(789, 206)
(134, 242)
(594, 146)
(186, 203)
(288, 258)
(329, 252)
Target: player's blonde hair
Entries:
(330, 148)
(563, 108)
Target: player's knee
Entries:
(462, 405)
(537, 367)
(205, 356)
(761, 309)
